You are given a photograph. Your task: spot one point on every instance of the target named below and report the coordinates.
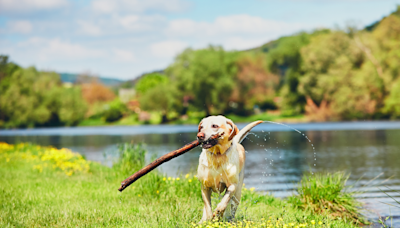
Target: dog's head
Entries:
(213, 125)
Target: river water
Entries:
(277, 156)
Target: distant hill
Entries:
(68, 77)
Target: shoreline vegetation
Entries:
(321, 75)
(44, 186)
(194, 119)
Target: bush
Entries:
(328, 194)
(115, 111)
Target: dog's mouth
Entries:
(209, 143)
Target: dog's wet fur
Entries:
(221, 165)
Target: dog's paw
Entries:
(219, 211)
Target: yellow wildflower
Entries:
(187, 176)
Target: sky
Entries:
(125, 38)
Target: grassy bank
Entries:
(43, 186)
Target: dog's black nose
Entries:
(200, 136)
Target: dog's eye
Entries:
(214, 126)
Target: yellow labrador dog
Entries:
(221, 164)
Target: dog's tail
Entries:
(243, 133)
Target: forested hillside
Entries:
(326, 74)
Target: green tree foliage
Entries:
(206, 76)
(150, 81)
(286, 54)
(156, 94)
(6, 67)
(337, 72)
(72, 107)
(159, 98)
(284, 58)
(392, 102)
(28, 97)
(32, 98)
(115, 110)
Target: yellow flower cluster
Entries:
(66, 160)
(264, 223)
(172, 179)
(5, 146)
(63, 159)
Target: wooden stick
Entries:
(128, 181)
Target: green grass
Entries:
(33, 198)
(93, 122)
(328, 194)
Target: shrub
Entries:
(115, 111)
(328, 194)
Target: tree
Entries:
(338, 75)
(206, 75)
(254, 85)
(150, 81)
(96, 92)
(72, 107)
(31, 98)
(158, 98)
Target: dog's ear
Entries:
(200, 125)
(234, 131)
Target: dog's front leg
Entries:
(219, 211)
(207, 211)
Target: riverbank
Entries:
(193, 118)
(43, 186)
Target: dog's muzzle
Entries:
(212, 141)
(209, 143)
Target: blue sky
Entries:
(125, 38)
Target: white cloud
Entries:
(19, 26)
(114, 6)
(187, 27)
(233, 24)
(123, 55)
(168, 49)
(250, 24)
(50, 49)
(89, 28)
(21, 6)
(233, 32)
(129, 21)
